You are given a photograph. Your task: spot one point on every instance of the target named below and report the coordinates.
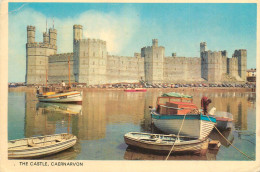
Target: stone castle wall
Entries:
(124, 69)
(91, 64)
(182, 69)
(59, 68)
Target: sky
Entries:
(127, 27)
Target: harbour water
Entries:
(105, 116)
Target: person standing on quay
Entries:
(205, 101)
(63, 85)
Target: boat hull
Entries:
(224, 125)
(198, 126)
(197, 146)
(21, 149)
(135, 90)
(69, 97)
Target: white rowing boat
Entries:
(35, 147)
(163, 143)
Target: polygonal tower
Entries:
(242, 62)
(37, 55)
(153, 62)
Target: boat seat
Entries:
(58, 140)
(32, 145)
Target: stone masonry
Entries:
(90, 63)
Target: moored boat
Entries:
(163, 143)
(135, 90)
(63, 97)
(35, 147)
(176, 112)
(224, 120)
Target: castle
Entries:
(90, 63)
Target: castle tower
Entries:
(242, 62)
(213, 64)
(77, 32)
(53, 36)
(30, 34)
(46, 39)
(37, 56)
(90, 58)
(153, 62)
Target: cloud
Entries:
(117, 29)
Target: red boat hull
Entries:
(135, 90)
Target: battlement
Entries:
(137, 55)
(51, 30)
(77, 26)
(155, 42)
(41, 45)
(89, 40)
(30, 28)
(45, 34)
(63, 57)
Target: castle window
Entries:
(94, 54)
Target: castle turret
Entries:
(77, 32)
(46, 39)
(203, 47)
(53, 36)
(155, 42)
(30, 34)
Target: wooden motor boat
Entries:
(35, 147)
(161, 143)
(135, 90)
(65, 97)
(170, 112)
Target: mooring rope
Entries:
(230, 142)
(176, 138)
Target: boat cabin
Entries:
(175, 105)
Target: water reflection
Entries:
(101, 111)
(229, 137)
(140, 154)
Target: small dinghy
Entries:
(35, 147)
(163, 143)
(135, 90)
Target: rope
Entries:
(230, 142)
(176, 138)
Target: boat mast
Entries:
(69, 71)
(46, 77)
